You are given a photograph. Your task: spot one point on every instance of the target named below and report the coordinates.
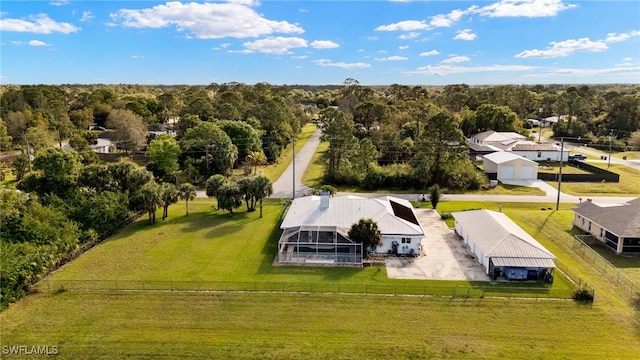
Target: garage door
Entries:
(506, 172)
(526, 173)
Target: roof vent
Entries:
(324, 200)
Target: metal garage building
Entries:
(504, 249)
(508, 166)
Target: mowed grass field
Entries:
(208, 245)
(298, 326)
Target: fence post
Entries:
(482, 295)
(454, 291)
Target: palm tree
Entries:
(229, 197)
(366, 232)
(257, 158)
(169, 195)
(187, 192)
(214, 182)
(261, 188)
(150, 198)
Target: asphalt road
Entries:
(283, 187)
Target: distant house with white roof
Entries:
(315, 229)
(504, 249)
(483, 143)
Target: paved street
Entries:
(283, 187)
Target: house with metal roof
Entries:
(616, 226)
(316, 229)
(504, 249)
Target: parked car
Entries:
(577, 157)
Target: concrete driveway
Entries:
(445, 257)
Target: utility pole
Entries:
(28, 152)
(560, 172)
(609, 158)
(293, 148)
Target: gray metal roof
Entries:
(502, 157)
(344, 211)
(622, 220)
(498, 237)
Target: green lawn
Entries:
(631, 155)
(629, 184)
(111, 325)
(314, 174)
(208, 245)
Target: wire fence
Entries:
(582, 246)
(453, 291)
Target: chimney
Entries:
(324, 200)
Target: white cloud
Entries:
(613, 37)
(300, 57)
(207, 20)
(625, 72)
(430, 53)
(565, 48)
(39, 24)
(342, 65)
(392, 58)
(411, 35)
(407, 25)
(137, 56)
(37, 43)
(303, 10)
(455, 60)
(523, 8)
(275, 45)
(324, 44)
(444, 70)
(86, 16)
(466, 34)
(627, 59)
(502, 8)
(59, 2)
(403, 47)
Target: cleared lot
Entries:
(446, 256)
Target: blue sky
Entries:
(320, 42)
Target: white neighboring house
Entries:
(502, 247)
(539, 152)
(490, 137)
(101, 146)
(519, 145)
(315, 229)
(509, 166)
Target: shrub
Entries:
(583, 295)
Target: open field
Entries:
(629, 184)
(292, 326)
(209, 245)
(631, 155)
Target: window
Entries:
(539, 154)
(406, 240)
(589, 225)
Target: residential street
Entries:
(283, 187)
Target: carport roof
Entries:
(499, 238)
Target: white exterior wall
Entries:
(544, 155)
(403, 249)
(474, 249)
(489, 166)
(517, 172)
